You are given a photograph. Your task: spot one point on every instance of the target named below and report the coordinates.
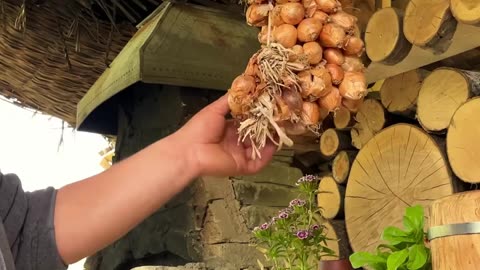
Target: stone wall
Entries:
(210, 222)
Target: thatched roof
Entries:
(52, 51)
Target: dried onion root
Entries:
(308, 66)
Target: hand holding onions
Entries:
(308, 66)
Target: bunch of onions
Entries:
(309, 66)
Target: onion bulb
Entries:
(297, 53)
(250, 2)
(352, 105)
(353, 63)
(313, 51)
(345, 20)
(293, 128)
(286, 1)
(332, 36)
(315, 83)
(263, 35)
(293, 99)
(292, 13)
(252, 67)
(310, 113)
(322, 16)
(354, 46)
(276, 16)
(309, 29)
(310, 7)
(241, 94)
(286, 35)
(334, 56)
(283, 111)
(354, 85)
(332, 101)
(328, 6)
(336, 72)
(257, 15)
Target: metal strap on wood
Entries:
(453, 229)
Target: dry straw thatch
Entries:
(51, 53)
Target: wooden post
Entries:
(463, 148)
(343, 119)
(430, 24)
(399, 93)
(371, 118)
(330, 198)
(400, 167)
(341, 166)
(456, 251)
(442, 92)
(466, 11)
(384, 38)
(335, 230)
(332, 141)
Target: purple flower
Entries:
(302, 234)
(264, 226)
(283, 215)
(306, 179)
(315, 227)
(297, 202)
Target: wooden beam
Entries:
(463, 40)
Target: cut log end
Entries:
(399, 93)
(402, 166)
(330, 198)
(341, 166)
(442, 92)
(384, 38)
(370, 120)
(466, 11)
(343, 119)
(336, 231)
(333, 141)
(429, 24)
(463, 148)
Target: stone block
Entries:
(276, 174)
(232, 256)
(255, 215)
(249, 193)
(190, 266)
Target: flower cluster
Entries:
(295, 238)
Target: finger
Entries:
(220, 106)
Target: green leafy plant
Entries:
(295, 238)
(406, 249)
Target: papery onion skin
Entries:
(263, 35)
(332, 36)
(313, 51)
(322, 16)
(257, 15)
(252, 67)
(285, 34)
(294, 129)
(283, 111)
(345, 20)
(328, 6)
(293, 99)
(354, 46)
(241, 94)
(297, 53)
(336, 72)
(310, 113)
(332, 101)
(334, 56)
(310, 7)
(353, 64)
(277, 16)
(315, 83)
(292, 13)
(309, 29)
(353, 86)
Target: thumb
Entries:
(219, 106)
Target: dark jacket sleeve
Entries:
(28, 221)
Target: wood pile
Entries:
(412, 140)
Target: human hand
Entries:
(213, 146)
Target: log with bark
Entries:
(463, 148)
(429, 24)
(341, 166)
(330, 198)
(332, 141)
(399, 93)
(337, 233)
(343, 118)
(466, 11)
(384, 38)
(442, 92)
(371, 118)
(400, 167)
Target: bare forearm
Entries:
(93, 213)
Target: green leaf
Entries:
(359, 259)
(396, 259)
(417, 257)
(396, 236)
(408, 224)
(415, 215)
